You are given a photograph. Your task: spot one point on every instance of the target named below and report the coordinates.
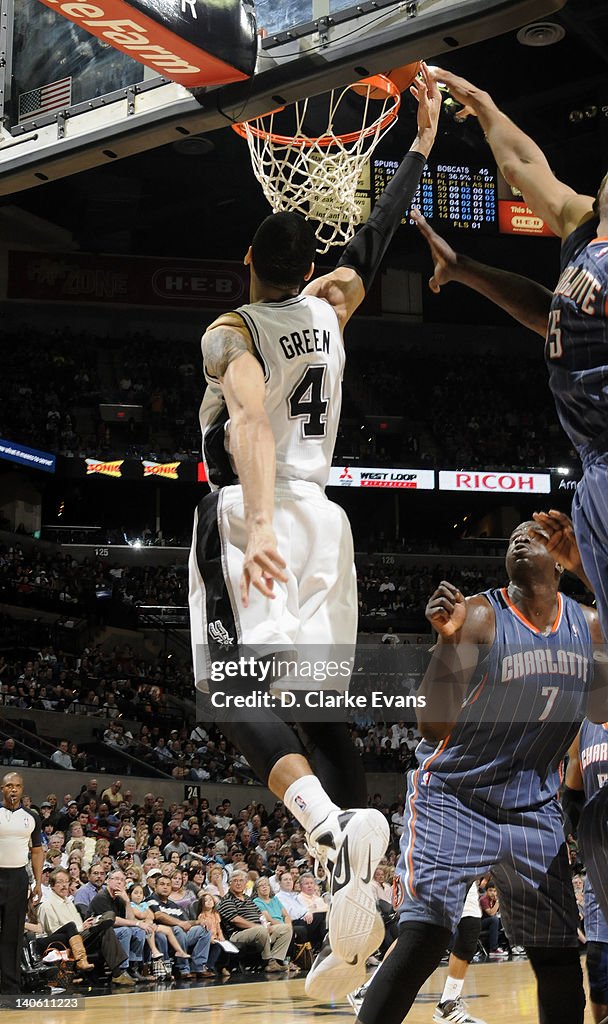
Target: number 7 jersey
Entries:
(299, 345)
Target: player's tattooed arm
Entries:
(222, 343)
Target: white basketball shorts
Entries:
(314, 612)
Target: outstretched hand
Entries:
(444, 257)
(461, 90)
(562, 541)
(446, 609)
(262, 565)
(426, 91)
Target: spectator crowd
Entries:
(58, 409)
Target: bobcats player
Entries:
(509, 676)
(587, 771)
(576, 348)
(272, 558)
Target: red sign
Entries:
(104, 468)
(515, 218)
(152, 41)
(167, 470)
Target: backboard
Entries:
(68, 101)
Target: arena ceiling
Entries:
(200, 199)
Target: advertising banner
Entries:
(364, 476)
(24, 456)
(499, 481)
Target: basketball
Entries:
(402, 77)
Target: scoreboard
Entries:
(449, 195)
(460, 196)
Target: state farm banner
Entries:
(496, 481)
(365, 476)
(126, 280)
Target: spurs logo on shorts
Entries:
(220, 634)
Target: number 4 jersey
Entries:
(299, 345)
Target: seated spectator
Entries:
(490, 922)
(78, 840)
(311, 927)
(181, 895)
(272, 911)
(241, 920)
(131, 935)
(381, 890)
(95, 880)
(177, 845)
(68, 818)
(61, 921)
(143, 912)
(196, 878)
(112, 795)
(192, 937)
(61, 756)
(216, 881)
(310, 894)
(209, 918)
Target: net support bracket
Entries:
(131, 94)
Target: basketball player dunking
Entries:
(496, 725)
(574, 319)
(272, 558)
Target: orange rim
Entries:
(380, 82)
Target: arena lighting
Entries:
(136, 543)
(563, 471)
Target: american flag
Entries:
(53, 96)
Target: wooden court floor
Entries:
(498, 993)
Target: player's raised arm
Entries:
(563, 546)
(228, 358)
(346, 286)
(462, 624)
(524, 300)
(521, 161)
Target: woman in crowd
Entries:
(180, 894)
(196, 878)
(272, 913)
(142, 836)
(134, 873)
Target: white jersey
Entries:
(299, 345)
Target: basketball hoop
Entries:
(317, 176)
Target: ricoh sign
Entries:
(496, 482)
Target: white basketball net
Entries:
(318, 177)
